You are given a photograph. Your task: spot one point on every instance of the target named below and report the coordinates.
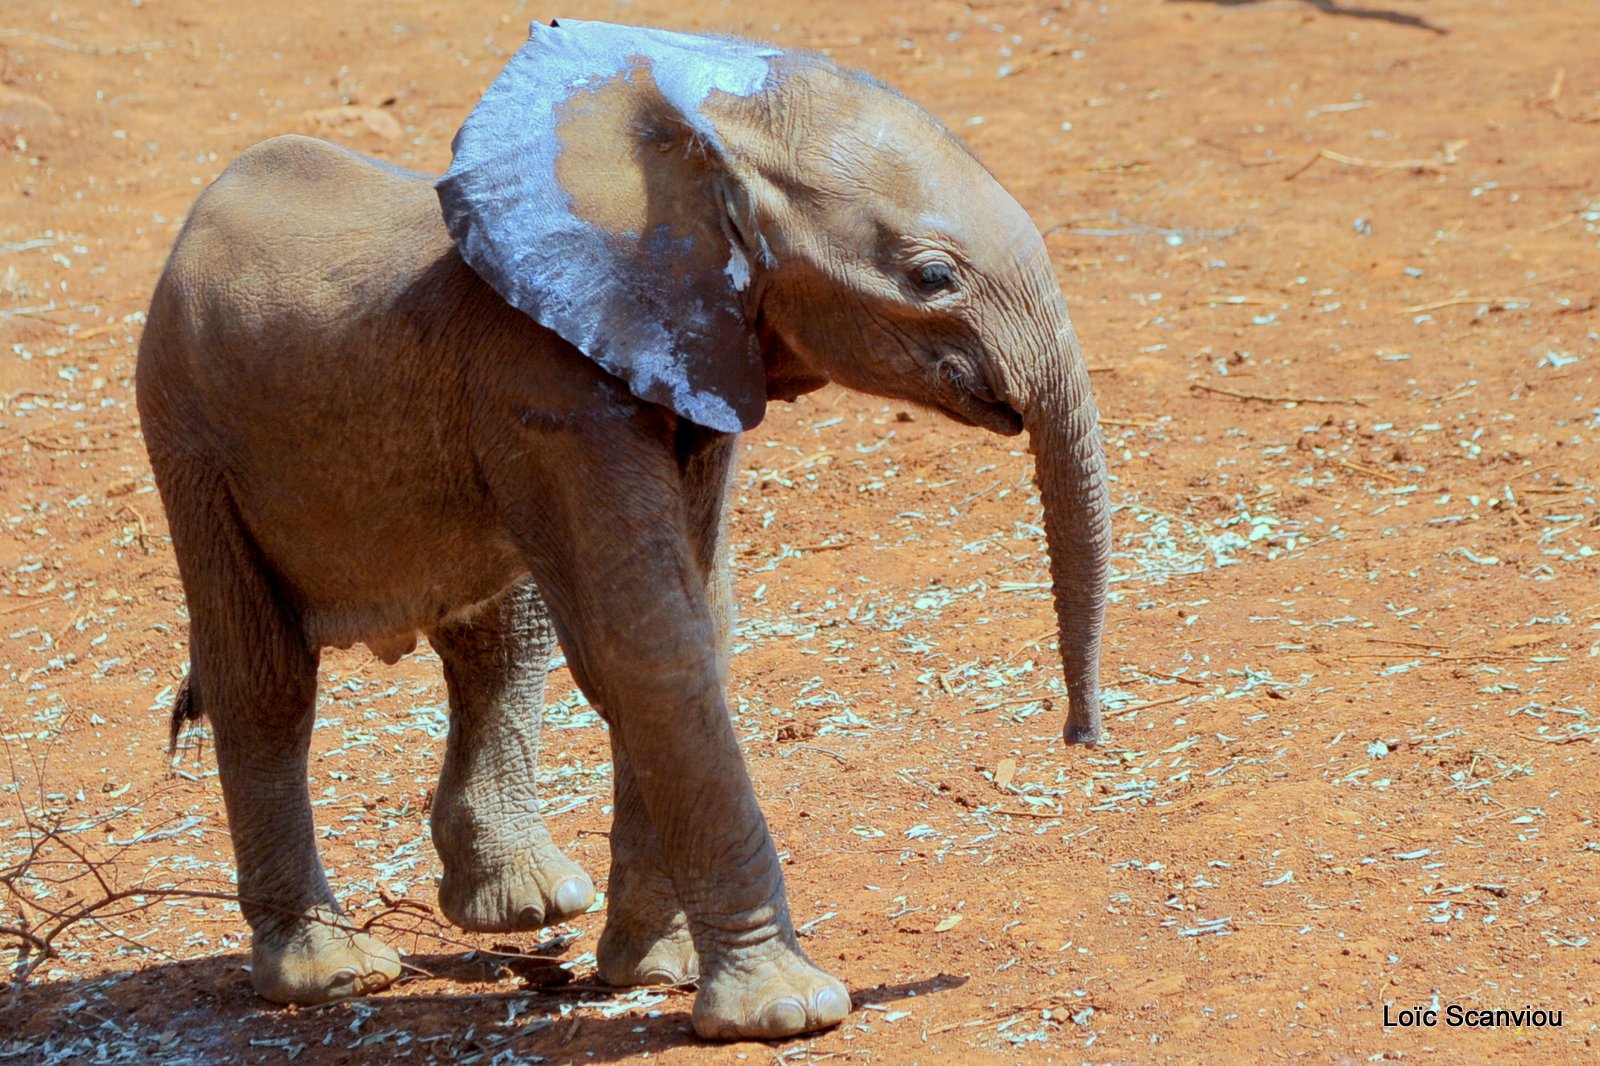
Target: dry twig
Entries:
(55, 867)
(1278, 399)
(1446, 155)
(820, 751)
(1552, 101)
(1369, 471)
(88, 49)
(1131, 707)
(1458, 300)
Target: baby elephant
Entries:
(501, 408)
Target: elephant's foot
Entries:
(765, 993)
(647, 949)
(319, 959)
(646, 940)
(536, 888)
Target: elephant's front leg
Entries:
(653, 665)
(646, 939)
(618, 569)
(502, 872)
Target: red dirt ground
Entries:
(1356, 635)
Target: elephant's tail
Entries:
(185, 709)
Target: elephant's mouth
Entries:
(971, 397)
(993, 415)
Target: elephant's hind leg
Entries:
(255, 676)
(502, 872)
(646, 940)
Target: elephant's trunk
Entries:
(1064, 435)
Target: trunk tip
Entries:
(1087, 735)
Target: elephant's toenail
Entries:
(530, 917)
(832, 1004)
(784, 1017)
(662, 976)
(574, 896)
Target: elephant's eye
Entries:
(934, 278)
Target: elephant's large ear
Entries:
(590, 189)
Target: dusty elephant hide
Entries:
(513, 421)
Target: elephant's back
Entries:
(302, 233)
(314, 202)
(287, 277)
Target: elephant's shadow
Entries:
(204, 1011)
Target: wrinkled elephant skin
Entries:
(501, 410)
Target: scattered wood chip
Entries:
(1521, 640)
(352, 118)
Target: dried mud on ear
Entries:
(577, 191)
(603, 162)
(632, 167)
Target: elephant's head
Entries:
(716, 222)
